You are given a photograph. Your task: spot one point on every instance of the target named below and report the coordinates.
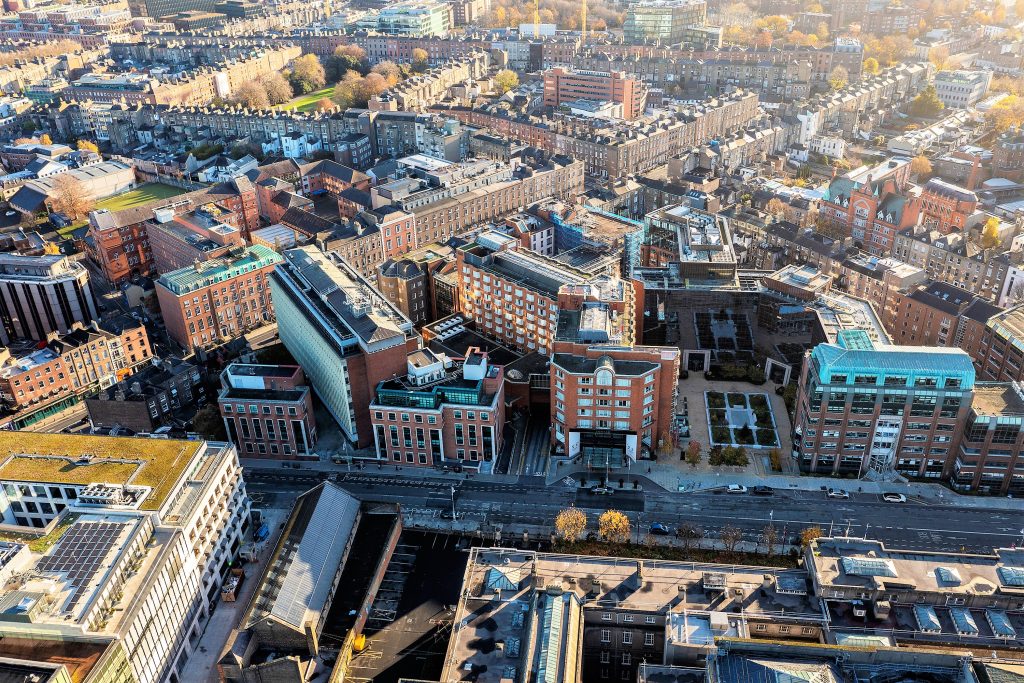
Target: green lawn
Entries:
(143, 194)
(308, 101)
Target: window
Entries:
(650, 619)
(627, 659)
(606, 616)
(606, 656)
(627, 637)
(606, 635)
(648, 639)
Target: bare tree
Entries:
(731, 536)
(68, 195)
(689, 534)
(770, 538)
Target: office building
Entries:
(409, 283)
(999, 357)
(564, 86)
(40, 295)
(344, 334)
(663, 21)
(962, 89)
(441, 412)
(870, 406)
(411, 18)
(612, 404)
(215, 301)
(268, 411)
(123, 542)
(180, 240)
(988, 457)
(515, 297)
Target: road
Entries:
(913, 525)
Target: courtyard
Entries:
(740, 418)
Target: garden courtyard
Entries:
(741, 419)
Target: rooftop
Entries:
(191, 278)
(998, 398)
(74, 459)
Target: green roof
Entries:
(191, 278)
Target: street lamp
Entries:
(453, 503)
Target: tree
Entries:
(251, 95)
(1007, 113)
(688, 533)
(391, 72)
(307, 74)
(776, 207)
(809, 534)
(45, 139)
(87, 146)
(693, 453)
(920, 165)
(613, 526)
(324, 104)
(939, 57)
(505, 80)
(420, 59)
(570, 524)
(990, 233)
(770, 538)
(927, 103)
(277, 87)
(871, 66)
(209, 423)
(731, 536)
(838, 78)
(69, 196)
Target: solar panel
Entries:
(80, 554)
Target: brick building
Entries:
(268, 411)
(864, 406)
(73, 364)
(151, 397)
(442, 411)
(180, 240)
(564, 86)
(939, 314)
(946, 207)
(210, 303)
(872, 204)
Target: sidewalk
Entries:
(373, 467)
(688, 479)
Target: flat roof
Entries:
(998, 398)
(60, 459)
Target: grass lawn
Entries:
(308, 101)
(143, 194)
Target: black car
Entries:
(763, 491)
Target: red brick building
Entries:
(268, 411)
(872, 205)
(946, 207)
(213, 302)
(562, 86)
(441, 412)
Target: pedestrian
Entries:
(648, 469)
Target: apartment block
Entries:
(958, 261)
(213, 302)
(408, 282)
(564, 86)
(939, 314)
(40, 295)
(344, 334)
(441, 412)
(148, 531)
(268, 411)
(866, 406)
(516, 296)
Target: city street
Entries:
(529, 502)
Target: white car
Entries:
(11, 213)
(837, 493)
(736, 488)
(894, 498)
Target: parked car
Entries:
(894, 498)
(659, 529)
(601, 490)
(736, 488)
(763, 491)
(10, 213)
(837, 493)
